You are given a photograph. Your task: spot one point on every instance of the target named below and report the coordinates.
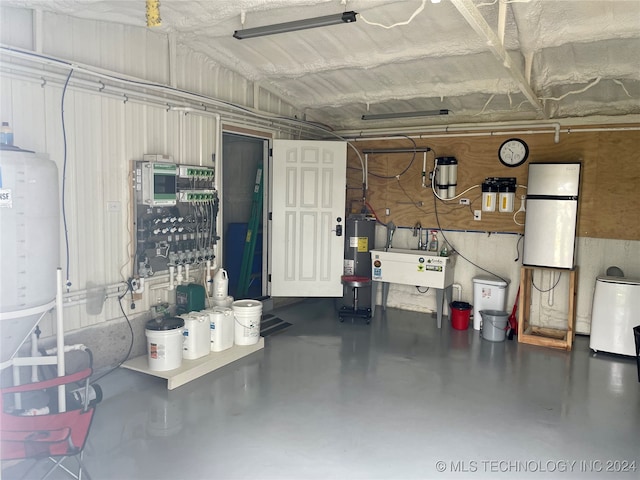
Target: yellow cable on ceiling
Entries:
(153, 13)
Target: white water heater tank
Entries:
(29, 243)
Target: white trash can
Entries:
(489, 293)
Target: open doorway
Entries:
(241, 157)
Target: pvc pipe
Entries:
(140, 286)
(458, 287)
(17, 400)
(366, 171)
(484, 131)
(62, 400)
(424, 170)
(179, 275)
(186, 272)
(34, 353)
(208, 278)
(171, 272)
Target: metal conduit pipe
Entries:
(246, 115)
(492, 131)
(86, 86)
(485, 130)
(134, 98)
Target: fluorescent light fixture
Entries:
(423, 113)
(346, 17)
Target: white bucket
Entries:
(196, 335)
(164, 347)
(223, 302)
(221, 327)
(248, 314)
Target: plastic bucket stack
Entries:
(247, 314)
(494, 325)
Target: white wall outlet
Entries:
(387, 211)
(465, 201)
(477, 214)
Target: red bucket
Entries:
(460, 313)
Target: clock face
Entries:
(513, 152)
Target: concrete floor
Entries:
(398, 399)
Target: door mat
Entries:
(271, 324)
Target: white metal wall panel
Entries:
(104, 136)
(132, 51)
(196, 73)
(16, 26)
(198, 141)
(191, 72)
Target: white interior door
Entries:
(308, 205)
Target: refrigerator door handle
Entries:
(571, 198)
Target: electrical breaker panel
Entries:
(175, 214)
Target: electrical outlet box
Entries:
(465, 201)
(477, 214)
(387, 211)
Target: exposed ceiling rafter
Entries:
(473, 16)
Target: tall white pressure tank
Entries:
(29, 243)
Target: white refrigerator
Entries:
(551, 215)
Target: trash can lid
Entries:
(489, 281)
(170, 323)
(461, 305)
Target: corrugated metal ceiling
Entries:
(560, 58)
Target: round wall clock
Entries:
(513, 152)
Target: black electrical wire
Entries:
(64, 178)
(549, 289)
(453, 249)
(384, 177)
(120, 297)
(415, 204)
(520, 237)
(418, 288)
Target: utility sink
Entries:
(412, 267)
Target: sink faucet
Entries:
(417, 230)
(391, 228)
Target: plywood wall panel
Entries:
(609, 190)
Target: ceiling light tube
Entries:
(346, 17)
(387, 116)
